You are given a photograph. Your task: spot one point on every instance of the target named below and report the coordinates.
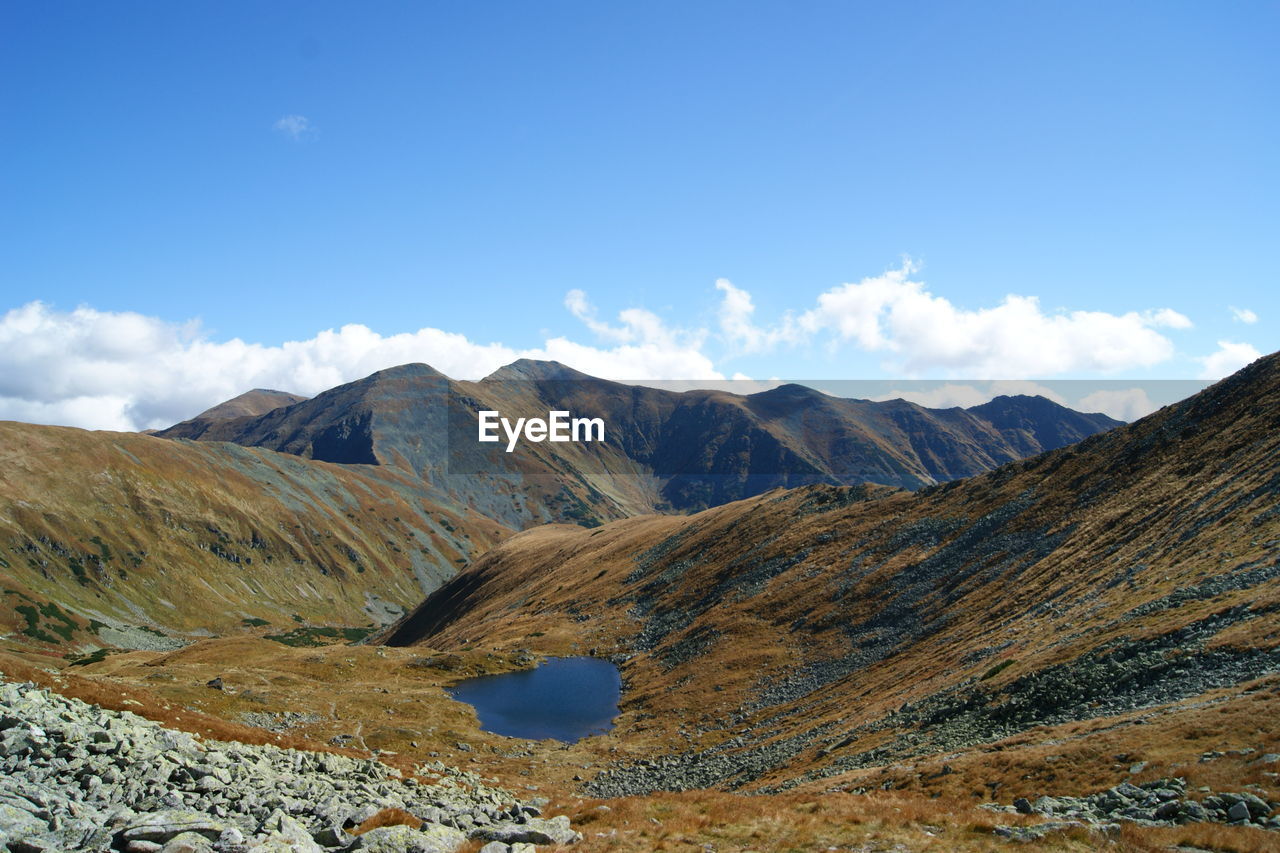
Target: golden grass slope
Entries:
(129, 530)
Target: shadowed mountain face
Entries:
(829, 636)
(663, 449)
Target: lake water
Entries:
(564, 698)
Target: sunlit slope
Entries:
(811, 633)
(186, 536)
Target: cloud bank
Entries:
(128, 371)
(919, 332)
(1229, 357)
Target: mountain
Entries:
(251, 404)
(1044, 624)
(120, 538)
(664, 450)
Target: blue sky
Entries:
(1077, 189)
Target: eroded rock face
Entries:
(76, 777)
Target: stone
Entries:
(1258, 807)
(16, 824)
(496, 847)
(283, 832)
(556, 830)
(164, 825)
(431, 838)
(1239, 811)
(137, 845)
(187, 842)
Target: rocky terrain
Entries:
(1161, 802)
(78, 777)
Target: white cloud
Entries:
(125, 371)
(921, 332)
(1127, 404)
(1230, 357)
(294, 126)
(1243, 315)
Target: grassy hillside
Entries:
(123, 539)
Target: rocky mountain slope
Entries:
(120, 539)
(663, 450)
(860, 637)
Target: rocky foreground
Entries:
(77, 777)
(1164, 802)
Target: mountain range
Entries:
(878, 614)
(665, 450)
(347, 508)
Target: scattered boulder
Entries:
(431, 838)
(535, 830)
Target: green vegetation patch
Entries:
(84, 660)
(254, 622)
(998, 668)
(32, 629)
(320, 635)
(102, 548)
(66, 625)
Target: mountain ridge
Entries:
(700, 447)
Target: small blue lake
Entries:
(564, 698)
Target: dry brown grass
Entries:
(388, 817)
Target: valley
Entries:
(811, 665)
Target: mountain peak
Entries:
(404, 371)
(253, 403)
(529, 369)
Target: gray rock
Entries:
(1239, 811)
(164, 825)
(281, 832)
(1258, 807)
(555, 830)
(187, 842)
(17, 824)
(431, 838)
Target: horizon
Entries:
(1121, 400)
(209, 198)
